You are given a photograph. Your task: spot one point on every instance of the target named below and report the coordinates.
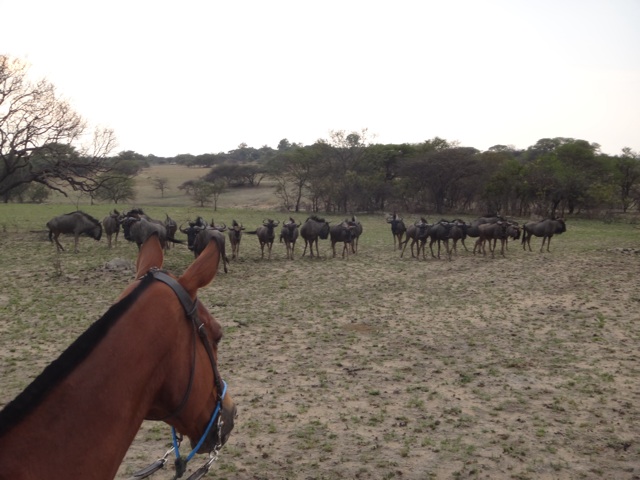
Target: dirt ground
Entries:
(381, 367)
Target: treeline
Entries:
(556, 176)
(39, 153)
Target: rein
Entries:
(191, 310)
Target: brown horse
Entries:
(153, 356)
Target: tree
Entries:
(43, 140)
(217, 189)
(292, 170)
(116, 188)
(200, 191)
(627, 177)
(162, 184)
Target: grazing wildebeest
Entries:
(491, 233)
(546, 229)
(314, 228)
(342, 232)
(398, 228)
(289, 234)
(111, 225)
(357, 232)
(172, 228)
(266, 235)
(138, 229)
(417, 233)
(440, 232)
(76, 223)
(235, 235)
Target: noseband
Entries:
(191, 310)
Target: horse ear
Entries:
(149, 256)
(201, 272)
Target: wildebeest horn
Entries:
(223, 227)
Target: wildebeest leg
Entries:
(59, 247)
(431, 247)
(404, 247)
(75, 242)
(548, 239)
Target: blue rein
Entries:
(176, 443)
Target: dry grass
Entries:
(378, 367)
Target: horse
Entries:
(152, 356)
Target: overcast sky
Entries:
(203, 76)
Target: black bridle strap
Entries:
(191, 310)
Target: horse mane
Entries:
(59, 369)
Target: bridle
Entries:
(191, 310)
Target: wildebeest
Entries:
(546, 229)
(196, 227)
(289, 234)
(111, 225)
(342, 232)
(203, 238)
(357, 232)
(491, 233)
(417, 233)
(199, 233)
(313, 229)
(142, 231)
(172, 228)
(76, 223)
(458, 233)
(138, 229)
(440, 232)
(487, 218)
(235, 235)
(266, 235)
(398, 229)
(514, 231)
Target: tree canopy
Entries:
(43, 140)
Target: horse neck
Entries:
(85, 425)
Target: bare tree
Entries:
(43, 140)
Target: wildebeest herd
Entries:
(137, 227)
(487, 230)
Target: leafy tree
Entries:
(627, 178)
(292, 170)
(434, 176)
(217, 189)
(116, 188)
(43, 140)
(200, 191)
(237, 175)
(162, 184)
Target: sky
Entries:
(204, 76)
